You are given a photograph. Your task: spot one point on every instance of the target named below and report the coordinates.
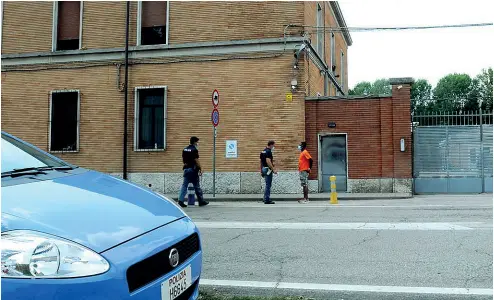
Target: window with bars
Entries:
(342, 70)
(320, 31)
(333, 50)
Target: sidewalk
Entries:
(292, 197)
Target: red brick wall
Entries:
(374, 128)
(402, 128)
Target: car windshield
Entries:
(16, 155)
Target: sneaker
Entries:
(182, 204)
(203, 203)
(303, 201)
(269, 202)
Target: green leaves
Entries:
(453, 93)
(365, 88)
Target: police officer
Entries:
(267, 170)
(192, 170)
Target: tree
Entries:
(485, 88)
(451, 92)
(361, 88)
(472, 102)
(365, 88)
(381, 87)
(421, 95)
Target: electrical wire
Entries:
(370, 29)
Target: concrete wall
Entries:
(226, 182)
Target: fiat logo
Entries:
(173, 257)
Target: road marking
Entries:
(347, 288)
(332, 226)
(282, 205)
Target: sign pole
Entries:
(214, 162)
(215, 118)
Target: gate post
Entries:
(447, 159)
(482, 175)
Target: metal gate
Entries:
(452, 153)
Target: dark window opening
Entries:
(67, 45)
(68, 29)
(64, 123)
(151, 134)
(153, 22)
(153, 35)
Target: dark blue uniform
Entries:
(267, 172)
(191, 173)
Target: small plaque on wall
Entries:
(332, 125)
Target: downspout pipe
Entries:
(126, 84)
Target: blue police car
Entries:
(73, 233)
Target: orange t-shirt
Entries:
(303, 161)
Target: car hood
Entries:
(92, 209)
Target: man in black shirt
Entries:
(267, 170)
(192, 170)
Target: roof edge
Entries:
(401, 80)
(341, 21)
(350, 97)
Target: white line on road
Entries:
(347, 288)
(299, 206)
(332, 226)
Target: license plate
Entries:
(177, 284)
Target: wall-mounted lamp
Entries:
(294, 84)
(297, 53)
(402, 144)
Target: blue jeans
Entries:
(191, 176)
(269, 181)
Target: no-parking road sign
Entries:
(215, 117)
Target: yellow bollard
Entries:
(334, 195)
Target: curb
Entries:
(315, 199)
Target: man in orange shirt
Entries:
(304, 166)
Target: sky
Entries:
(429, 54)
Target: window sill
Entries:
(62, 152)
(149, 150)
(68, 51)
(151, 47)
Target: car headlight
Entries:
(28, 254)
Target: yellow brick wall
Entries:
(231, 20)
(28, 25)
(104, 24)
(252, 110)
(310, 12)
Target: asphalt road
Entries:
(435, 247)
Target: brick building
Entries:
(277, 65)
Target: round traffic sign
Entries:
(216, 98)
(215, 117)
